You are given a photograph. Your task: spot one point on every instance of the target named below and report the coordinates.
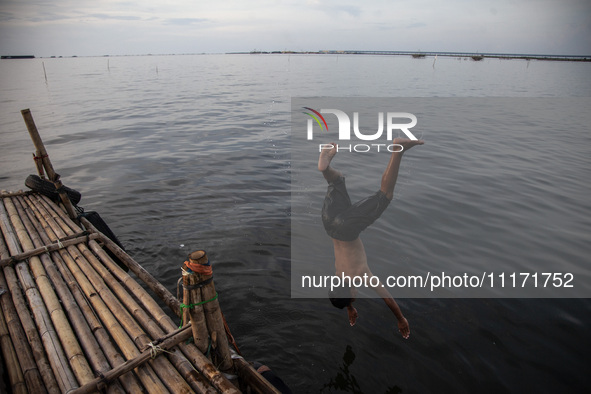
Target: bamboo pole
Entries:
(58, 218)
(122, 338)
(47, 380)
(80, 328)
(36, 368)
(46, 248)
(48, 290)
(100, 273)
(12, 365)
(49, 315)
(162, 292)
(195, 314)
(149, 324)
(129, 381)
(86, 261)
(11, 360)
(213, 316)
(37, 157)
(15, 194)
(124, 341)
(42, 155)
(196, 357)
(9, 235)
(216, 378)
(151, 352)
(57, 213)
(168, 374)
(111, 269)
(253, 379)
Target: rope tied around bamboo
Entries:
(191, 306)
(200, 305)
(155, 350)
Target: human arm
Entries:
(403, 326)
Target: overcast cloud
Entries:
(100, 27)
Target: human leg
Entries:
(390, 175)
(326, 155)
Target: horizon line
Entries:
(344, 52)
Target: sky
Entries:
(119, 27)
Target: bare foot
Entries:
(352, 312)
(407, 143)
(326, 155)
(404, 328)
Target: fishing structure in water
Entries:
(73, 319)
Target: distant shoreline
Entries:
(17, 57)
(421, 54)
(415, 54)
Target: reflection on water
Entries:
(346, 381)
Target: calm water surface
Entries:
(179, 153)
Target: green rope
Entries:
(183, 306)
(208, 348)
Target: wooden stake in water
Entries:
(194, 313)
(53, 176)
(215, 324)
(44, 72)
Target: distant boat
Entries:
(18, 57)
(477, 57)
(418, 55)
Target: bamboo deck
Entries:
(75, 320)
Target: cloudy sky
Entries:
(120, 27)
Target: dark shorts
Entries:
(345, 221)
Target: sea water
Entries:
(179, 153)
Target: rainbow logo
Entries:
(315, 115)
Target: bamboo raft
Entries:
(74, 320)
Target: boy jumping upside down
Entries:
(344, 221)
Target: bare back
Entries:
(350, 257)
